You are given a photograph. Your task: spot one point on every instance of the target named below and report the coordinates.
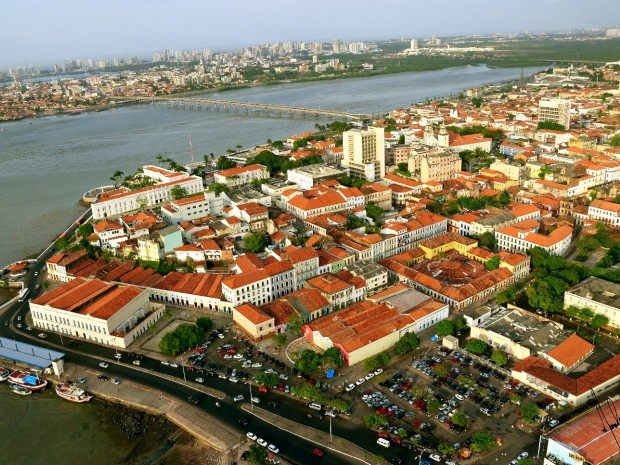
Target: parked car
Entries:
(104, 365)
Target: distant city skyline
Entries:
(37, 32)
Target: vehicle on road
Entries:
(137, 362)
(193, 399)
(435, 457)
(40, 335)
(199, 380)
(103, 378)
(383, 442)
(318, 452)
(261, 442)
(165, 362)
(255, 400)
(350, 387)
(523, 455)
(174, 365)
(116, 381)
(360, 381)
(104, 365)
(251, 436)
(81, 380)
(554, 423)
(273, 449)
(315, 406)
(239, 398)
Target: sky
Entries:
(38, 32)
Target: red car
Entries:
(263, 389)
(396, 440)
(381, 411)
(318, 452)
(384, 435)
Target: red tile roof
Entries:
(571, 351)
(253, 313)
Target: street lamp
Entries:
(60, 333)
(183, 369)
(251, 402)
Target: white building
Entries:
(241, 175)
(599, 295)
(120, 201)
(523, 236)
(96, 311)
(606, 212)
(190, 208)
(554, 111)
(261, 286)
(364, 153)
(307, 176)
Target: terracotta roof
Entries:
(240, 170)
(604, 205)
(329, 283)
(253, 313)
(571, 351)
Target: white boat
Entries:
(21, 390)
(4, 373)
(27, 380)
(72, 392)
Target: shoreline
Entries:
(227, 88)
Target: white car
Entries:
(118, 356)
(251, 436)
(165, 362)
(331, 413)
(28, 328)
(200, 380)
(523, 455)
(360, 381)
(284, 377)
(378, 371)
(239, 398)
(459, 397)
(435, 457)
(369, 376)
(238, 356)
(261, 442)
(116, 381)
(233, 379)
(104, 365)
(257, 365)
(221, 336)
(350, 387)
(255, 400)
(174, 365)
(273, 449)
(554, 423)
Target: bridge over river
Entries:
(243, 107)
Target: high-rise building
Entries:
(414, 45)
(364, 153)
(554, 111)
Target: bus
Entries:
(23, 294)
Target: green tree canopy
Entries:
(267, 379)
(205, 323)
(550, 125)
(178, 192)
(445, 328)
(499, 357)
(184, 336)
(374, 420)
(407, 343)
(482, 440)
(476, 346)
(279, 339)
(529, 412)
(218, 187)
(255, 242)
(487, 240)
(224, 163)
(433, 406)
(492, 263)
(85, 230)
(374, 212)
(459, 418)
(442, 370)
(309, 361)
(446, 449)
(333, 356)
(598, 321)
(257, 455)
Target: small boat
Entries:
(72, 392)
(4, 374)
(21, 390)
(27, 380)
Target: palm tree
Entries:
(239, 147)
(116, 176)
(160, 158)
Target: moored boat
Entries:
(27, 380)
(21, 390)
(4, 373)
(72, 392)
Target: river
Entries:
(48, 163)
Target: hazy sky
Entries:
(42, 31)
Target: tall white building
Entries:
(364, 153)
(414, 45)
(554, 111)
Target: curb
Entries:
(246, 408)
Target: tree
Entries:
(433, 406)
(309, 361)
(442, 370)
(499, 357)
(374, 420)
(205, 323)
(401, 139)
(278, 145)
(371, 364)
(550, 125)
(446, 449)
(333, 356)
(224, 163)
(183, 337)
(508, 295)
(295, 323)
(116, 177)
(85, 230)
(598, 321)
(459, 418)
(217, 188)
(492, 263)
(477, 102)
(407, 343)
(267, 379)
(487, 240)
(586, 314)
(525, 461)
(308, 391)
(445, 328)
(529, 412)
(482, 440)
(178, 192)
(476, 346)
(374, 212)
(572, 312)
(614, 141)
(255, 242)
(257, 455)
(279, 339)
(515, 398)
